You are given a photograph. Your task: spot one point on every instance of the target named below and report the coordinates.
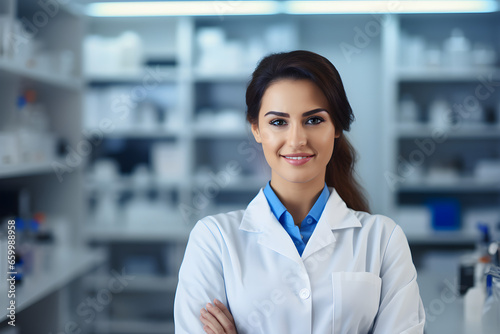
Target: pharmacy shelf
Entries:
(442, 238)
(10, 70)
(460, 132)
(133, 327)
(127, 183)
(176, 231)
(208, 133)
(138, 284)
(447, 74)
(241, 76)
(22, 170)
(460, 185)
(159, 133)
(160, 75)
(66, 264)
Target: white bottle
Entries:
(475, 297)
(440, 114)
(457, 49)
(408, 111)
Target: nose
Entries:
(297, 136)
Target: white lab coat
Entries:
(355, 275)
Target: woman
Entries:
(305, 256)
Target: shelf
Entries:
(9, 70)
(176, 231)
(241, 76)
(126, 183)
(462, 132)
(138, 284)
(222, 133)
(20, 170)
(238, 184)
(447, 74)
(460, 185)
(160, 74)
(66, 264)
(133, 327)
(158, 133)
(442, 238)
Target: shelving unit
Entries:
(65, 265)
(465, 142)
(50, 289)
(193, 139)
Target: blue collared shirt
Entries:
(301, 236)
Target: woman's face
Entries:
(296, 132)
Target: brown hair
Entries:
(318, 69)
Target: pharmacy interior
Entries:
(122, 124)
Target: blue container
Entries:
(445, 213)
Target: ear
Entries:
(338, 133)
(256, 133)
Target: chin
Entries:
(298, 178)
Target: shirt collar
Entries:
(320, 204)
(279, 209)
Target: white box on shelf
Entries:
(472, 217)
(9, 154)
(168, 161)
(414, 220)
(487, 170)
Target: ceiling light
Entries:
(182, 8)
(396, 7)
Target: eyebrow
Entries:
(307, 113)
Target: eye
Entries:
(315, 120)
(278, 122)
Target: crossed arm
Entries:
(217, 319)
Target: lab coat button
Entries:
(304, 293)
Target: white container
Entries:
(487, 170)
(9, 154)
(167, 160)
(473, 304)
(457, 49)
(414, 52)
(483, 55)
(440, 114)
(408, 111)
(131, 57)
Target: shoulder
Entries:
(221, 224)
(378, 221)
(381, 227)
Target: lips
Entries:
(298, 159)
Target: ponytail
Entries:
(340, 175)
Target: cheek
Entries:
(270, 141)
(325, 146)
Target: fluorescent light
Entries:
(216, 8)
(183, 8)
(394, 6)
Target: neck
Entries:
(298, 198)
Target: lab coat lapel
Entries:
(258, 218)
(335, 216)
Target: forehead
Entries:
(288, 95)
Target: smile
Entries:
(297, 159)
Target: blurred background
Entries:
(122, 124)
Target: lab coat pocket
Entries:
(356, 298)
